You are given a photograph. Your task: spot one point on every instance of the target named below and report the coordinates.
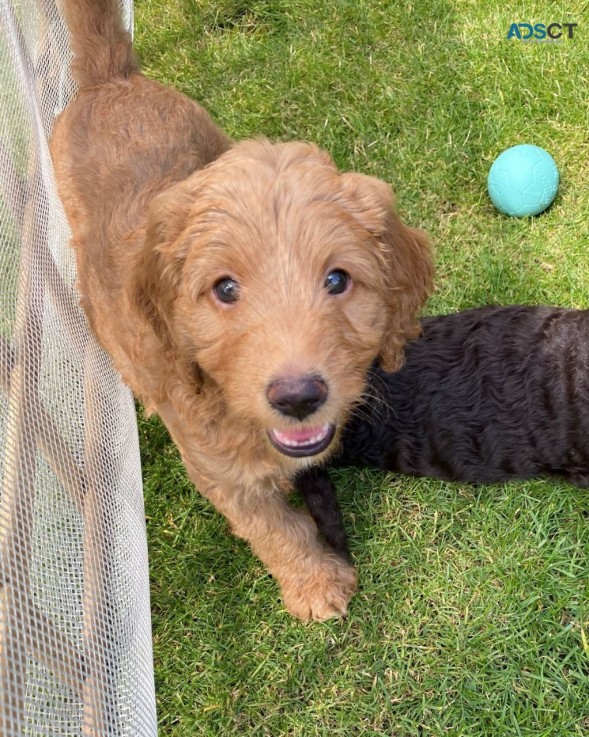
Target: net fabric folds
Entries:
(75, 642)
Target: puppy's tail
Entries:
(102, 48)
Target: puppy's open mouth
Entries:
(307, 441)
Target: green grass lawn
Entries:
(472, 616)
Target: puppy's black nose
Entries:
(297, 397)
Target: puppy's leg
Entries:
(315, 582)
(316, 488)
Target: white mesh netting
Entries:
(75, 642)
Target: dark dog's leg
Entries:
(580, 479)
(320, 496)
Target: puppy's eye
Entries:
(226, 290)
(337, 281)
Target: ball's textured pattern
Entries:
(523, 180)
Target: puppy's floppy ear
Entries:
(159, 269)
(406, 260)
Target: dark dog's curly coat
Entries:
(486, 395)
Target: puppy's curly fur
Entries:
(486, 395)
(242, 289)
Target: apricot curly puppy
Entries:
(242, 290)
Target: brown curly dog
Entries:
(242, 290)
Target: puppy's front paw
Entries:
(322, 591)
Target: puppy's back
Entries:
(121, 141)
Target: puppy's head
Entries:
(280, 280)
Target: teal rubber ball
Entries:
(523, 181)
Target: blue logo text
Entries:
(540, 31)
